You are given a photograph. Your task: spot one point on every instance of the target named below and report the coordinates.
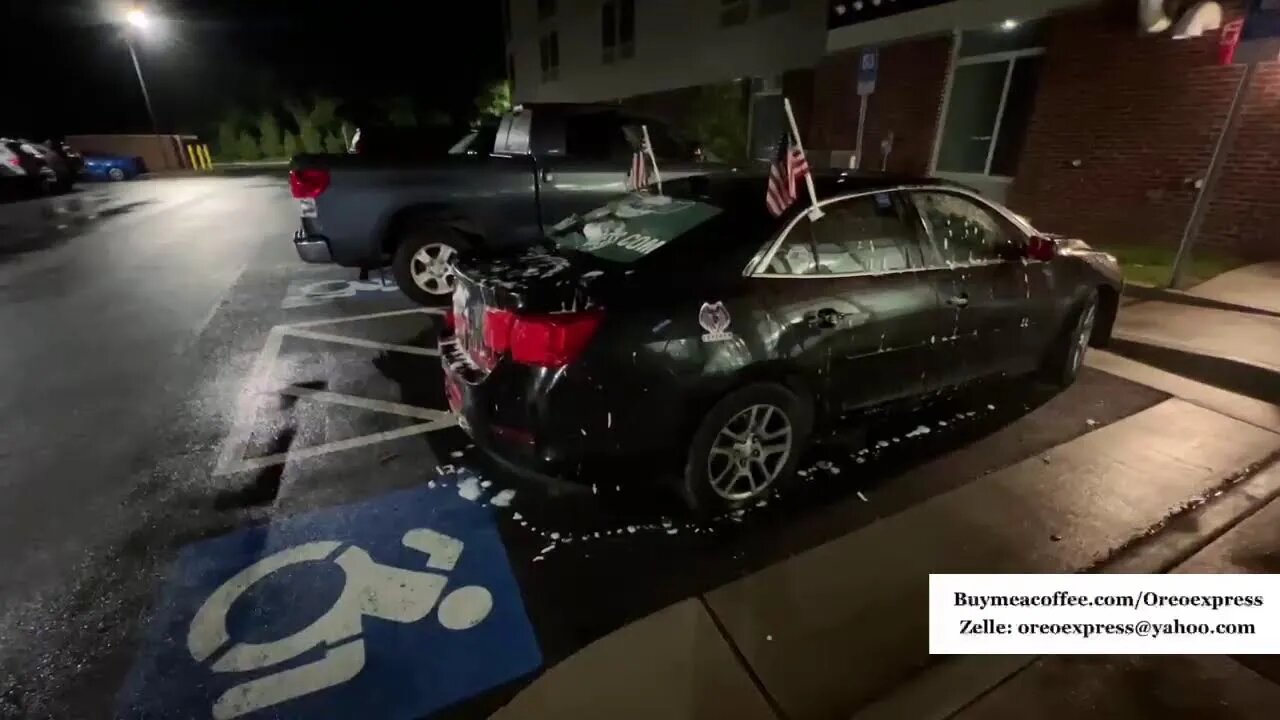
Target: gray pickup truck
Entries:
(502, 184)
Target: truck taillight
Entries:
(549, 341)
(308, 183)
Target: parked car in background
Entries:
(111, 167)
(499, 185)
(695, 336)
(42, 171)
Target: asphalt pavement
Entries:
(198, 428)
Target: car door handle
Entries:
(961, 300)
(824, 318)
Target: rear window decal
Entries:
(632, 226)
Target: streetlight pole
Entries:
(146, 97)
(139, 20)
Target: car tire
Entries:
(420, 263)
(1066, 354)
(115, 174)
(721, 472)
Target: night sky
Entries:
(66, 67)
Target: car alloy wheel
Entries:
(432, 268)
(749, 452)
(1084, 331)
(115, 174)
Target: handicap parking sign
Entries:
(391, 608)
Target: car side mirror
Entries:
(1041, 248)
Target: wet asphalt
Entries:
(162, 360)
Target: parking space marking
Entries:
(361, 342)
(231, 457)
(394, 607)
(385, 406)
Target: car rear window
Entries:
(632, 226)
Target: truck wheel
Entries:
(423, 264)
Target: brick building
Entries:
(1067, 110)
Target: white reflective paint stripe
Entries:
(361, 342)
(334, 398)
(337, 446)
(369, 316)
(233, 446)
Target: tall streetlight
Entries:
(139, 21)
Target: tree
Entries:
(269, 134)
(719, 121)
(310, 137)
(291, 145)
(228, 140)
(333, 144)
(495, 100)
(401, 113)
(247, 146)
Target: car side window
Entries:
(595, 136)
(863, 234)
(963, 231)
(666, 144)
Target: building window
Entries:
(627, 28)
(549, 53)
(546, 8)
(618, 30)
(992, 96)
(773, 7)
(734, 12)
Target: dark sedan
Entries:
(694, 335)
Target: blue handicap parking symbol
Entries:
(391, 608)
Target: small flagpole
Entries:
(648, 148)
(815, 212)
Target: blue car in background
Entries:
(111, 167)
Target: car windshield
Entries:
(631, 227)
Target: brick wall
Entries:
(907, 102)
(1123, 123)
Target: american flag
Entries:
(638, 175)
(789, 168)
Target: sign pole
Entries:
(862, 128)
(1216, 165)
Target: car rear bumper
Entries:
(543, 425)
(312, 248)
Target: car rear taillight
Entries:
(450, 319)
(308, 183)
(549, 341)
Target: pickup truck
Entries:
(503, 184)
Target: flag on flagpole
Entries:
(788, 168)
(638, 175)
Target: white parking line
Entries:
(361, 342)
(231, 457)
(334, 398)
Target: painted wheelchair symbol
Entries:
(383, 591)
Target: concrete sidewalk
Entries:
(1225, 332)
(842, 629)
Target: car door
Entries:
(996, 308)
(854, 307)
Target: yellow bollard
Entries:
(208, 158)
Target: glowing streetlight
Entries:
(138, 18)
(1009, 25)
